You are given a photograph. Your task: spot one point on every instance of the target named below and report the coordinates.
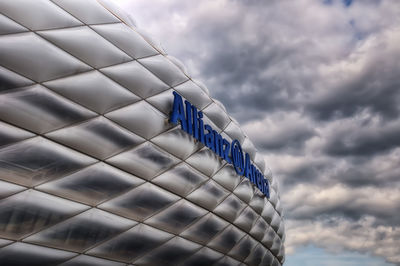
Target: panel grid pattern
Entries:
(88, 175)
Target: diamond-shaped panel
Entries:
(10, 134)
(141, 202)
(141, 118)
(168, 141)
(87, 45)
(246, 219)
(205, 161)
(37, 109)
(227, 177)
(82, 231)
(162, 101)
(83, 260)
(21, 253)
(132, 243)
(204, 256)
(205, 229)
(126, 39)
(43, 14)
(244, 190)
(182, 179)
(41, 62)
(164, 69)
(7, 189)
(88, 11)
(208, 195)
(135, 78)
(256, 256)
(171, 253)
(230, 208)
(93, 184)
(81, 88)
(145, 161)
(106, 138)
(177, 217)
(8, 26)
(243, 249)
(29, 211)
(11, 80)
(227, 239)
(36, 160)
(192, 93)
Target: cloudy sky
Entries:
(316, 85)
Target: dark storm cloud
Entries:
(281, 132)
(316, 86)
(359, 140)
(375, 87)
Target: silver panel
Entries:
(136, 78)
(37, 160)
(145, 161)
(10, 134)
(205, 161)
(140, 202)
(205, 229)
(81, 88)
(83, 260)
(10, 80)
(21, 253)
(132, 244)
(141, 118)
(88, 11)
(176, 218)
(86, 45)
(27, 212)
(125, 39)
(227, 239)
(39, 110)
(43, 14)
(42, 61)
(193, 94)
(208, 195)
(8, 26)
(171, 253)
(181, 179)
(82, 231)
(106, 138)
(187, 144)
(164, 69)
(92, 185)
(243, 249)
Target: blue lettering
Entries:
(189, 118)
(178, 113)
(192, 122)
(209, 137)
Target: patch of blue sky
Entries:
(313, 256)
(347, 3)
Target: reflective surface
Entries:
(91, 170)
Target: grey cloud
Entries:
(284, 132)
(362, 139)
(318, 88)
(373, 85)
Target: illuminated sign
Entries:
(191, 121)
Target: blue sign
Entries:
(191, 121)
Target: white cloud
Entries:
(318, 89)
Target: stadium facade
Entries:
(111, 154)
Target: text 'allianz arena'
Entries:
(110, 154)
